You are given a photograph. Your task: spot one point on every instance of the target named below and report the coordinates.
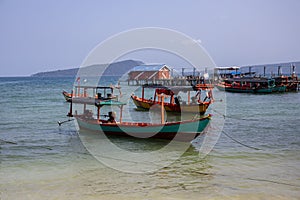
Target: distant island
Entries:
(115, 69)
(57, 73)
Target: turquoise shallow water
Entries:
(46, 161)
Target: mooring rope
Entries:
(8, 142)
(245, 145)
(226, 134)
(225, 116)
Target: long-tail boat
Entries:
(193, 104)
(291, 82)
(234, 81)
(185, 130)
(91, 92)
(250, 85)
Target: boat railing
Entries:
(95, 92)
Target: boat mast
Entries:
(98, 112)
(162, 109)
(143, 90)
(71, 105)
(121, 113)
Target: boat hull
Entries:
(192, 108)
(181, 131)
(232, 89)
(250, 90)
(279, 88)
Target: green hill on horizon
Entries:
(113, 69)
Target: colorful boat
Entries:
(232, 80)
(250, 85)
(182, 130)
(290, 82)
(185, 130)
(90, 93)
(192, 105)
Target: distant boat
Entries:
(176, 104)
(232, 80)
(185, 130)
(291, 82)
(250, 85)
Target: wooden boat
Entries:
(230, 79)
(185, 130)
(250, 85)
(182, 131)
(196, 105)
(291, 82)
(90, 93)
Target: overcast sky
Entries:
(43, 35)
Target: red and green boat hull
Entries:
(182, 131)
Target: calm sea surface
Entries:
(40, 160)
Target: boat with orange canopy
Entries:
(192, 104)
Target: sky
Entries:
(37, 36)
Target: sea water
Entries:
(257, 156)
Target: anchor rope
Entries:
(225, 116)
(245, 145)
(8, 142)
(235, 140)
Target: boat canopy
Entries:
(109, 103)
(169, 90)
(235, 73)
(228, 68)
(164, 91)
(94, 87)
(253, 80)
